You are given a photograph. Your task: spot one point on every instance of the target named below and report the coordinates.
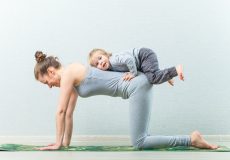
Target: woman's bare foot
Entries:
(199, 142)
(180, 72)
(171, 82)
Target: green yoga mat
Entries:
(19, 147)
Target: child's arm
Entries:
(129, 61)
(128, 76)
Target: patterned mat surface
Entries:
(20, 147)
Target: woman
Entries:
(76, 79)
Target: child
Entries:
(143, 59)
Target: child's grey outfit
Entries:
(139, 93)
(144, 60)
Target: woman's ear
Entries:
(51, 71)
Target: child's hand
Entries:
(128, 76)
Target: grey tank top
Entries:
(98, 82)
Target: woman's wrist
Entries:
(65, 144)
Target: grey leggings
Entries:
(140, 110)
(138, 91)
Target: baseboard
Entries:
(76, 140)
(82, 140)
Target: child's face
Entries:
(100, 61)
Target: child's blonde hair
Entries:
(97, 50)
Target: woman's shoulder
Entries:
(75, 66)
(75, 71)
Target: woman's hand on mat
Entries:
(53, 146)
(128, 76)
(63, 144)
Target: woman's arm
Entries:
(69, 118)
(66, 88)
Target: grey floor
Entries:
(114, 155)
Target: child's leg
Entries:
(150, 67)
(180, 72)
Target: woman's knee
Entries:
(138, 143)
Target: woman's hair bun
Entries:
(39, 56)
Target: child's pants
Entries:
(150, 67)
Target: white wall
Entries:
(195, 33)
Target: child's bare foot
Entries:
(180, 72)
(171, 82)
(199, 142)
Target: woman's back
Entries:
(98, 82)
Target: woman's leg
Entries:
(150, 67)
(140, 110)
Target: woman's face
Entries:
(52, 79)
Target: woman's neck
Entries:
(59, 72)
